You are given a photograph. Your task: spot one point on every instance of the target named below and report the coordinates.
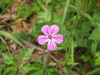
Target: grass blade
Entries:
(11, 37)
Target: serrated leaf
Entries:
(97, 54)
(34, 72)
(10, 70)
(96, 15)
(51, 69)
(39, 60)
(23, 36)
(26, 53)
(95, 34)
(3, 46)
(97, 60)
(8, 58)
(2, 68)
(11, 37)
(44, 17)
(25, 11)
(27, 67)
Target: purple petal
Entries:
(54, 29)
(51, 45)
(58, 38)
(45, 29)
(42, 39)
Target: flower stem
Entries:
(52, 11)
(65, 12)
(44, 62)
(74, 25)
(57, 62)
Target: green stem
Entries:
(84, 14)
(7, 7)
(72, 52)
(74, 25)
(42, 6)
(65, 12)
(53, 8)
(44, 62)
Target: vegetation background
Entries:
(20, 25)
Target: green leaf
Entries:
(27, 67)
(39, 60)
(3, 46)
(36, 6)
(26, 53)
(2, 39)
(93, 47)
(67, 69)
(96, 15)
(23, 36)
(34, 30)
(8, 58)
(34, 72)
(44, 17)
(1, 69)
(95, 34)
(51, 69)
(9, 70)
(85, 58)
(11, 37)
(25, 11)
(97, 60)
(93, 71)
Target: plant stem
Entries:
(74, 25)
(53, 8)
(42, 6)
(7, 7)
(10, 13)
(44, 61)
(65, 12)
(57, 62)
(84, 14)
(72, 52)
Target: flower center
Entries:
(50, 37)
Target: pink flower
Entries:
(50, 37)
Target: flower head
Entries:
(50, 37)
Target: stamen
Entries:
(50, 37)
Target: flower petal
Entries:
(45, 29)
(51, 45)
(54, 29)
(58, 38)
(42, 39)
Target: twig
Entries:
(57, 62)
(31, 45)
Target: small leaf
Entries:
(39, 60)
(26, 53)
(97, 60)
(95, 34)
(34, 72)
(93, 47)
(23, 36)
(10, 69)
(3, 46)
(8, 58)
(96, 15)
